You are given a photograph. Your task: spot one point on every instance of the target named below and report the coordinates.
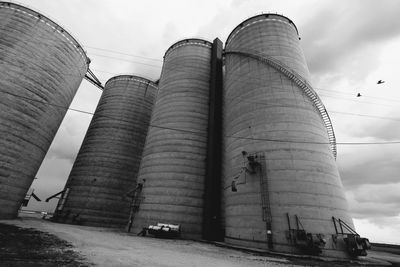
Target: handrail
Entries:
(301, 82)
(341, 224)
(54, 196)
(89, 76)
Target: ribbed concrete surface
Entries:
(261, 103)
(173, 161)
(108, 160)
(41, 65)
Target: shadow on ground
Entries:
(29, 247)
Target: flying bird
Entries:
(380, 81)
(358, 95)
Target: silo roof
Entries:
(187, 41)
(259, 18)
(60, 30)
(128, 77)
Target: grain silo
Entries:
(97, 190)
(41, 68)
(173, 163)
(281, 184)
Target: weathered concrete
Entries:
(108, 160)
(41, 68)
(173, 161)
(300, 177)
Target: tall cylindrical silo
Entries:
(108, 161)
(279, 146)
(41, 68)
(173, 163)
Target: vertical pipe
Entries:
(212, 194)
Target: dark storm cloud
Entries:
(336, 36)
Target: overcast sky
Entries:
(349, 46)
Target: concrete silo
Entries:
(41, 68)
(173, 163)
(108, 161)
(279, 146)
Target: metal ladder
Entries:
(265, 201)
(135, 204)
(300, 82)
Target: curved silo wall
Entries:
(108, 160)
(173, 163)
(270, 114)
(41, 68)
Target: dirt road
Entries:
(105, 247)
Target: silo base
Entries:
(339, 252)
(8, 210)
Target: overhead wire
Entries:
(159, 60)
(184, 70)
(262, 103)
(357, 101)
(123, 53)
(204, 134)
(249, 82)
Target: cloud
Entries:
(69, 137)
(381, 232)
(383, 130)
(337, 38)
(372, 164)
(377, 203)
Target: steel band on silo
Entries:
(41, 68)
(173, 163)
(268, 113)
(106, 167)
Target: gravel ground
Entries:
(29, 247)
(106, 247)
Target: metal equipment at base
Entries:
(28, 197)
(356, 245)
(255, 163)
(309, 243)
(162, 230)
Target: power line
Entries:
(357, 101)
(364, 115)
(127, 60)
(256, 102)
(204, 134)
(238, 80)
(366, 96)
(331, 111)
(123, 53)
